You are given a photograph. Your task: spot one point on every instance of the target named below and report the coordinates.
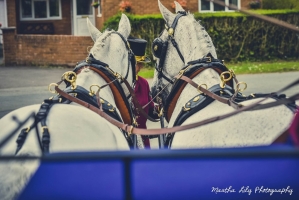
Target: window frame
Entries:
(226, 9)
(40, 19)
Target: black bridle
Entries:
(162, 46)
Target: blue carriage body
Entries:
(234, 173)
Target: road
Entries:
(22, 86)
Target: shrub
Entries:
(237, 37)
(255, 4)
(279, 4)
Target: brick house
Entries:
(53, 32)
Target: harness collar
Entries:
(191, 71)
(109, 76)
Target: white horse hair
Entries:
(72, 128)
(250, 128)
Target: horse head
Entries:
(111, 48)
(186, 53)
(184, 40)
(68, 117)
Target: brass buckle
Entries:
(170, 31)
(115, 74)
(182, 72)
(44, 127)
(135, 121)
(161, 112)
(131, 130)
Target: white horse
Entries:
(250, 128)
(73, 128)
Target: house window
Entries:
(40, 9)
(206, 6)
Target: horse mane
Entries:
(107, 33)
(201, 43)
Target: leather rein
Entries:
(130, 129)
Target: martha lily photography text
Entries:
(255, 190)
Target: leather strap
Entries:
(231, 102)
(227, 101)
(132, 130)
(136, 103)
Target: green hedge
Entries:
(237, 37)
(280, 4)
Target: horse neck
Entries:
(88, 77)
(193, 42)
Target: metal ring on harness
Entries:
(223, 79)
(49, 88)
(241, 90)
(88, 48)
(198, 88)
(73, 76)
(68, 74)
(223, 75)
(91, 92)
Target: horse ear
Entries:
(94, 32)
(167, 15)
(178, 7)
(124, 26)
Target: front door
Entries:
(82, 9)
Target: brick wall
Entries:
(140, 7)
(111, 7)
(11, 13)
(9, 45)
(64, 26)
(44, 50)
(245, 4)
(66, 49)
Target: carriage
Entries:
(83, 152)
